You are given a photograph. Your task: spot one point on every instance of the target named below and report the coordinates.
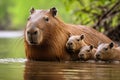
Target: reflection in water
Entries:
(12, 69)
(20, 69)
(70, 71)
(12, 66)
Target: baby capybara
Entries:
(107, 52)
(75, 43)
(87, 53)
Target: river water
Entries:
(21, 69)
(14, 66)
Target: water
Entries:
(70, 71)
(21, 69)
(14, 66)
(12, 69)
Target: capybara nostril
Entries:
(35, 32)
(32, 42)
(32, 33)
(81, 56)
(28, 32)
(70, 43)
(98, 56)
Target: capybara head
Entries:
(75, 42)
(37, 23)
(104, 51)
(86, 52)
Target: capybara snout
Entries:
(81, 56)
(70, 45)
(32, 35)
(97, 56)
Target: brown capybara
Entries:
(45, 36)
(87, 53)
(107, 52)
(75, 43)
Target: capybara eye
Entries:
(35, 32)
(78, 40)
(105, 49)
(46, 19)
(88, 50)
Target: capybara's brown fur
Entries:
(107, 52)
(87, 53)
(75, 43)
(45, 36)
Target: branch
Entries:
(106, 14)
(115, 12)
(109, 11)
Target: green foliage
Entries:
(101, 13)
(17, 11)
(4, 14)
(14, 13)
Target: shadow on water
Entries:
(70, 71)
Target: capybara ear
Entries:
(53, 11)
(111, 45)
(32, 10)
(91, 47)
(82, 37)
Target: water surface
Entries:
(21, 69)
(14, 66)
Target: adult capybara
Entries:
(46, 35)
(87, 53)
(75, 43)
(107, 52)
